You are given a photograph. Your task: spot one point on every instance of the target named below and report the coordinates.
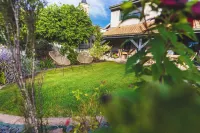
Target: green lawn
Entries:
(57, 88)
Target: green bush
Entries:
(42, 49)
(72, 56)
(47, 63)
(98, 50)
(2, 78)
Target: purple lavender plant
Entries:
(6, 64)
(5, 55)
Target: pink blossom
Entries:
(174, 3)
(196, 10)
(190, 21)
(67, 122)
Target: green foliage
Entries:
(115, 56)
(2, 78)
(46, 63)
(98, 49)
(170, 36)
(154, 109)
(159, 106)
(42, 49)
(27, 65)
(2, 30)
(89, 105)
(66, 24)
(72, 56)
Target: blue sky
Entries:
(99, 9)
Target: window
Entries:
(133, 13)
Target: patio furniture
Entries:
(84, 58)
(59, 59)
(151, 61)
(172, 58)
(124, 55)
(132, 52)
(184, 66)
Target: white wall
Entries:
(130, 22)
(115, 18)
(116, 15)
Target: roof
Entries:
(137, 29)
(107, 26)
(127, 30)
(84, 1)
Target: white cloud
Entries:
(97, 7)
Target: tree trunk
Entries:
(29, 107)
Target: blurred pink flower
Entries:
(196, 10)
(67, 122)
(174, 3)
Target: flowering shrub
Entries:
(6, 65)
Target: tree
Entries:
(12, 13)
(66, 25)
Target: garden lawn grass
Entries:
(57, 88)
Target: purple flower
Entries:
(196, 10)
(5, 55)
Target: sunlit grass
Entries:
(57, 88)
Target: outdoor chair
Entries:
(59, 59)
(84, 58)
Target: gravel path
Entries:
(20, 120)
(14, 124)
(59, 121)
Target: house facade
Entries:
(133, 29)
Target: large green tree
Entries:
(66, 25)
